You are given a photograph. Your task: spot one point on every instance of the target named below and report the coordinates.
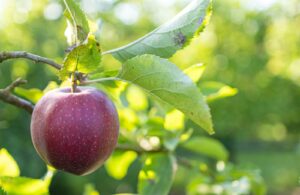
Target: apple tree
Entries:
(147, 110)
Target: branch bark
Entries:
(7, 96)
(23, 54)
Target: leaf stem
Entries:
(87, 82)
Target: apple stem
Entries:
(74, 82)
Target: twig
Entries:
(125, 147)
(23, 54)
(184, 162)
(139, 150)
(8, 97)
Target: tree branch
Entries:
(7, 96)
(23, 54)
(125, 147)
(138, 150)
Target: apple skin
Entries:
(75, 132)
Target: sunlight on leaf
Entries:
(84, 58)
(174, 120)
(195, 72)
(171, 36)
(78, 27)
(136, 98)
(208, 147)
(215, 90)
(89, 189)
(166, 82)
(49, 175)
(186, 135)
(51, 85)
(32, 94)
(119, 162)
(128, 118)
(24, 186)
(8, 166)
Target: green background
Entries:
(253, 46)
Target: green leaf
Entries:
(170, 37)
(125, 194)
(24, 186)
(8, 166)
(215, 90)
(174, 120)
(89, 189)
(207, 146)
(78, 27)
(118, 163)
(84, 58)
(35, 94)
(136, 98)
(49, 175)
(195, 72)
(2, 192)
(166, 81)
(51, 85)
(32, 94)
(157, 174)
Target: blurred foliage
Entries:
(252, 46)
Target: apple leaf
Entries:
(157, 174)
(8, 166)
(78, 27)
(215, 90)
(207, 146)
(89, 189)
(195, 72)
(32, 94)
(119, 162)
(84, 58)
(168, 83)
(24, 185)
(126, 194)
(171, 36)
(2, 192)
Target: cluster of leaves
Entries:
(11, 183)
(144, 61)
(168, 144)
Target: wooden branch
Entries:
(7, 96)
(23, 54)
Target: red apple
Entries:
(75, 132)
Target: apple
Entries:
(75, 131)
